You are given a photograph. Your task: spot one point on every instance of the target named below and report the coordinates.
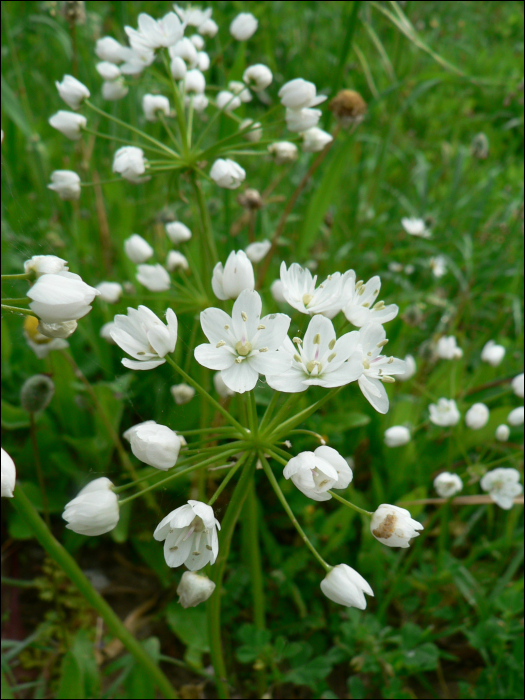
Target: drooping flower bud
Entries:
(345, 586)
(176, 261)
(517, 385)
(182, 393)
(137, 249)
(69, 124)
(129, 161)
(152, 104)
(194, 589)
(314, 140)
(394, 526)
(477, 416)
(243, 26)
(8, 475)
(258, 251)
(154, 444)
(447, 484)
(493, 353)
(177, 232)
(516, 416)
(66, 184)
(153, 277)
(396, 436)
(110, 292)
(502, 432)
(107, 70)
(61, 297)
(94, 511)
(227, 173)
(283, 152)
(45, 265)
(257, 77)
(36, 393)
(72, 91)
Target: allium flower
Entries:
(257, 77)
(176, 261)
(345, 586)
(110, 292)
(502, 433)
(193, 16)
(155, 34)
(298, 120)
(45, 265)
(153, 277)
(220, 387)
(208, 28)
(135, 60)
(61, 329)
(190, 536)
(114, 89)
(151, 104)
(186, 50)
(492, 353)
(319, 360)
(299, 93)
(300, 291)
(502, 485)
(108, 49)
(227, 101)
(178, 68)
(137, 249)
(108, 70)
(66, 184)
(40, 344)
(177, 232)
(8, 475)
(477, 416)
(255, 131)
(194, 589)
(517, 385)
(438, 265)
(377, 368)
(195, 81)
(445, 413)
(69, 124)
(244, 345)
(447, 348)
(143, 336)
(239, 88)
(516, 417)
(283, 152)
(394, 526)
(258, 251)
(415, 227)
(72, 91)
(227, 173)
(236, 276)
(243, 26)
(315, 473)
(359, 305)
(447, 484)
(154, 444)
(397, 436)
(314, 140)
(105, 332)
(182, 393)
(94, 511)
(129, 161)
(61, 297)
(411, 369)
(276, 289)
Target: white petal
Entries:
(214, 358)
(374, 391)
(147, 364)
(240, 377)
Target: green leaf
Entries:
(14, 417)
(14, 110)
(311, 673)
(138, 684)
(190, 627)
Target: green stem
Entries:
(164, 123)
(66, 562)
(179, 105)
(283, 411)
(17, 310)
(18, 300)
(227, 478)
(350, 505)
(303, 415)
(21, 276)
(206, 222)
(124, 141)
(38, 465)
(269, 410)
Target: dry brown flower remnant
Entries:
(349, 107)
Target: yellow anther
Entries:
(361, 291)
(261, 327)
(379, 306)
(297, 341)
(317, 339)
(297, 358)
(331, 344)
(226, 327)
(366, 364)
(390, 360)
(359, 285)
(220, 344)
(307, 298)
(382, 344)
(388, 380)
(331, 357)
(263, 349)
(244, 316)
(367, 305)
(312, 365)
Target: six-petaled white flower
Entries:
(315, 473)
(143, 336)
(300, 291)
(154, 34)
(94, 511)
(502, 485)
(345, 586)
(445, 413)
(360, 306)
(230, 280)
(394, 526)
(447, 484)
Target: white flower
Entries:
(314, 140)
(410, 269)
(276, 290)
(203, 61)
(136, 60)
(299, 93)
(62, 329)
(239, 88)
(345, 586)
(492, 353)
(190, 536)
(154, 444)
(300, 291)
(257, 77)
(94, 511)
(186, 50)
(106, 330)
(444, 413)
(227, 173)
(69, 124)
(244, 345)
(227, 101)
(200, 102)
(283, 152)
(151, 104)
(193, 16)
(72, 91)
(208, 28)
(447, 348)
(359, 305)
(61, 297)
(197, 41)
(182, 393)
(477, 416)
(137, 249)
(258, 251)
(315, 473)
(178, 232)
(195, 81)
(40, 344)
(396, 436)
(178, 68)
(394, 526)
(114, 90)
(8, 475)
(502, 485)
(153, 277)
(155, 34)
(176, 261)
(45, 265)
(143, 336)
(502, 433)
(129, 161)
(230, 280)
(395, 267)
(516, 417)
(298, 120)
(254, 133)
(108, 70)
(411, 369)
(243, 26)
(110, 292)
(319, 360)
(517, 385)
(66, 184)
(220, 387)
(438, 265)
(377, 368)
(108, 49)
(194, 589)
(415, 227)
(447, 484)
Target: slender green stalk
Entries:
(283, 411)
(18, 300)
(21, 276)
(179, 104)
(206, 222)
(350, 505)
(17, 310)
(303, 415)
(233, 470)
(269, 410)
(146, 147)
(38, 466)
(253, 410)
(164, 123)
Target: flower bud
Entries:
(72, 91)
(178, 68)
(277, 291)
(110, 292)
(94, 511)
(258, 251)
(477, 416)
(394, 526)
(151, 104)
(220, 387)
(40, 344)
(314, 140)
(396, 436)
(283, 152)
(137, 249)
(153, 277)
(69, 124)
(129, 161)
(254, 132)
(492, 353)
(298, 94)
(298, 120)
(195, 81)
(176, 261)
(108, 49)
(197, 41)
(250, 199)
(8, 475)
(208, 28)
(411, 369)
(66, 184)
(349, 107)
(36, 393)
(315, 473)
(445, 413)
(345, 586)
(177, 232)
(502, 432)
(61, 297)
(515, 417)
(185, 49)
(447, 484)
(243, 26)
(228, 101)
(502, 485)
(227, 173)
(203, 61)
(200, 102)
(45, 265)
(258, 77)
(517, 385)
(62, 329)
(107, 70)
(447, 348)
(182, 393)
(154, 444)
(229, 281)
(194, 589)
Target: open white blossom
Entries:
(155, 34)
(61, 297)
(66, 184)
(8, 475)
(493, 353)
(447, 484)
(516, 417)
(299, 120)
(227, 101)
(517, 385)
(69, 124)
(110, 292)
(447, 348)
(195, 81)
(377, 368)
(258, 251)
(243, 26)
(45, 265)
(360, 307)
(177, 232)
(152, 104)
(283, 152)
(108, 70)
(137, 249)
(194, 589)
(300, 291)
(142, 335)
(257, 77)
(415, 227)
(438, 265)
(182, 393)
(154, 277)
(315, 473)
(445, 413)
(345, 586)
(230, 280)
(94, 511)
(299, 93)
(129, 161)
(245, 345)
(239, 88)
(315, 139)
(190, 536)
(114, 89)
(176, 261)
(477, 416)
(502, 433)
(193, 16)
(397, 436)
(411, 369)
(154, 444)
(502, 485)
(227, 173)
(394, 526)
(72, 91)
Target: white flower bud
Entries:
(502, 432)
(182, 393)
(314, 140)
(227, 173)
(72, 91)
(277, 291)
(40, 344)
(62, 329)
(154, 444)
(283, 152)
(194, 589)
(129, 161)
(254, 133)
(153, 277)
(415, 227)
(239, 88)
(200, 102)
(110, 292)
(176, 261)
(447, 348)
(411, 369)
(477, 416)
(61, 297)
(220, 387)
(108, 70)
(203, 61)
(208, 28)
(243, 26)
(258, 251)
(502, 485)
(178, 232)
(94, 511)
(137, 249)
(186, 50)
(345, 586)
(229, 281)
(396, 436)
(258, 77)
(195, 81)
(66, 184)
(227, 101)
(105, 332)
(298, 94)
(151, 104)
(315, 473)
(8, 475)
(445, 413)
(517, 385)
(492, 353)
(45, 265)
(108, 49)
(394, 526)
(69, 124)
(197, 41)
(178, 68)
(515, 417)
(447, 484)
(302, 119)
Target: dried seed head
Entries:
(74, 12)
(349, 107)
(36, 393)
(250, 199)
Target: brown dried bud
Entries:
(250, 199)
(349, 107)
(74, 12)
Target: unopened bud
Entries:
(349, 107)
(37, 393)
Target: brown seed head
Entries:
(349, 107)
(250, 199)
